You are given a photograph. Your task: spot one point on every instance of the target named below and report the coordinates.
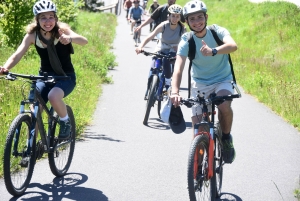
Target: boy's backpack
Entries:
(192, 53)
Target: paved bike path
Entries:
(120, 159)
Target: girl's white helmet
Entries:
(175, 9)
(43, 6)
(194, 6)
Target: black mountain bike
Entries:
(156, 83)
(22, 148)
(205, 162)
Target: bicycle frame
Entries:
(39, 105)
(206, 127)
(36, 118)
(21, 149)
(159, 70)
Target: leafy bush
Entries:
(15, 15)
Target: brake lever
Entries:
(10, 77)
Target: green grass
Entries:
(267, 61)
(91, 63)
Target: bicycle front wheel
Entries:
(18, 160)
(151, 97)
(61, 157)
(218, 160)
(199, 187)
(158, 108)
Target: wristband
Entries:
(175, 94)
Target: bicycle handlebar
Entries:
(213, 99)
(158, 55)
(13, 76)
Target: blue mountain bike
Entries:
(156, 83)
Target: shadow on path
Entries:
(93, 135)
(229, 197)
(66, 187)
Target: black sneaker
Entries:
(228, 150)
(24, 162)
(64, 130)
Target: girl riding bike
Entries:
(53, 42)
(171, 31)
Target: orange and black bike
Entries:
(205, 162)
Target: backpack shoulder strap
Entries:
(219, 42)
(164, 8)
(215, 35)
(163, 28)
(191, 56)
(181, 29)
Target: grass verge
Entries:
(267, 61)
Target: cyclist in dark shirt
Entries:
(152, 8)
(159, 15)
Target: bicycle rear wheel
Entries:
(218, 160)
(151, 97)
(199, 187)
(61, 157)
(18, 165)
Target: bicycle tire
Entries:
(151, 97)
(60, 160)
(200, 189)
(218, 174)
(158, 108)
(17, 175)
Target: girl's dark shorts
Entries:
(44, 88)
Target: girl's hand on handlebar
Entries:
(2, 70)
(138, 50)
(175, 98)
